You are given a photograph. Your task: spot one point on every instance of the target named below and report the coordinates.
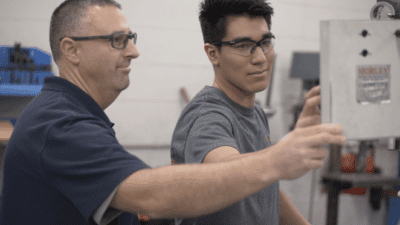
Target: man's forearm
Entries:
(193, 189)
(289, 214)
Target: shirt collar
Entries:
(53, 83)
(247, 111)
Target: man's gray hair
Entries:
(66, 19)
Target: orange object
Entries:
(348, 163)
(143, 218)
(349, 166)
(356, 191)
(370, 165)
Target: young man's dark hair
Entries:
(66, 18)
(214, 15)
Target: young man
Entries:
(63, 164)
(223, 123)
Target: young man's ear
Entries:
(69, 49)
(212, 53)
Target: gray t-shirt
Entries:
(212, 120)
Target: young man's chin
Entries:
(261, 88)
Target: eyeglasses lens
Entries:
(246, 48)
(120, 40)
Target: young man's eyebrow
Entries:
(267, 35)
(239, 39)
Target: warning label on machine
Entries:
(373, 84)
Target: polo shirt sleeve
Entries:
(83, 160)
(105, 214)
(209, 131)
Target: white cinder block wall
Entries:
(172, 57)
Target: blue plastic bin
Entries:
(4, 57)
(39, 76)
(5, 76)
(19, 77)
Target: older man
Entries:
(63, 164)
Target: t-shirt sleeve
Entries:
(208, 132)
(83, 160)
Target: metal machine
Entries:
(359, 60)
(359, 63)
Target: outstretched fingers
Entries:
(313, 92)
(326, 138)
(315, 164)
(319, 153)
(310, 109)
(316, 159)
(308, 121)
(319, 128)
(311, 106)
(315, 136)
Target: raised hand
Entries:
(311, 115)
(300, 150)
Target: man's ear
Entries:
(69, 49)
(212, 53)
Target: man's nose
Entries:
(258, 56)
(131, 50)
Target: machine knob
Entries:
(382, 11)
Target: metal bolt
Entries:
(364, 33)
(364, 53)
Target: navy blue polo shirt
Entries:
(63, 160)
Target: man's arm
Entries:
(6, 129)
(192, 189)
(310, 116)
(224, 154)
(288, 213)
(197, 189)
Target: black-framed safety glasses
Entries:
(246, 46)
(118, 40)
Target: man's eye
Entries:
(119, 38)
(266, 42)
(242, 45)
